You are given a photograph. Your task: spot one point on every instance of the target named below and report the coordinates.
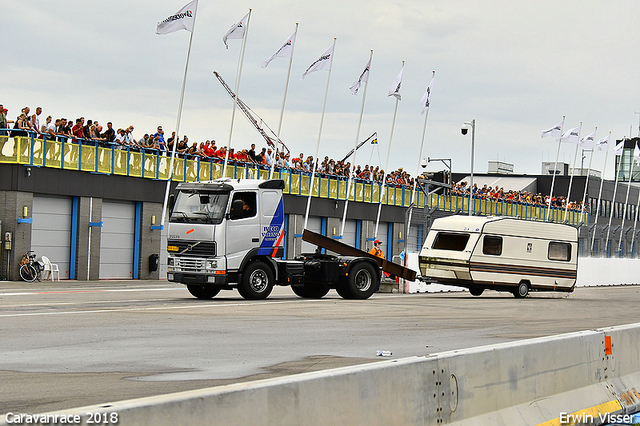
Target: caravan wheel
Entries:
(476, 291)
(522, 290)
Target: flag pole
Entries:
(175, 141)
(315, 160)
(613, 200)
(235, 100)
(555, 168)
(355, 152)
(284, 99)
(586, 183)
(626, 200)
(573, 168)
(595, 227)
(386, 166)
(415, 181)
(635, 223)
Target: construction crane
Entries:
(272, 139)
(373, 136)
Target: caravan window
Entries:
(450, 241)
(560, 251)
(492, 245)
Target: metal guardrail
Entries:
(93, 156)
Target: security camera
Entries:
(423, 163)
(464, 129)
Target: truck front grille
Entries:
(185, 264)
(193, 248)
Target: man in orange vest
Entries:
(376, 250)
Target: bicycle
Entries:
(30, 268)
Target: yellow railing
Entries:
(151, 164)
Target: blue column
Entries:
(136, 240)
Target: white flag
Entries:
(588, 141)
(322, 63)
(364, 77)
(286, 51)
(619, 148)
(636, 154)
(237, 30)
(181, 20)
(603, 144)
(571, 136)
(395, 87)
(555, 131)
(426, 98)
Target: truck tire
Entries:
(522, 290)
(308, 291)
(363, 280)
(476, 291)
(343, 290)
(257, 281)
(203, 292)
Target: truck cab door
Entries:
(243, 228)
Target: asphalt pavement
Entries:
(70, 344)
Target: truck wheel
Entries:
(476, 291)
(342, 288)
(203, 292)
(363, 280)
(522, 290)
(257, 281)
(308, 291)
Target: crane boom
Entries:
(273, 139)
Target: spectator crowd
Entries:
(93, 133)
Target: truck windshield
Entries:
(202, 207)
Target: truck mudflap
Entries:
(346, 250)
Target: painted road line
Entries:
(157, 308)
(27, 293)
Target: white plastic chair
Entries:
(50, 268)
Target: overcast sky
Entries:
(514, 67)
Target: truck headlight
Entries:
(170, 261)
(212, 264)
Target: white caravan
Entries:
(500, 253)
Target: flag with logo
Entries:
(588, 141)
(555, 131)
(181, 20)
(426, 98)
(237, 30)
(572, 135)
(395, 87)
(285, 51)
(636, 154)
(619, 148)
(322, 63)
(603, 144)
(364, 77)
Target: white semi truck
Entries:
(227, 234)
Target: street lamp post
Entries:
(464, 130)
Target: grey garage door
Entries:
(313, 224)
(51, 230)
(117, 240)
(349, 236)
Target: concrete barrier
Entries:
(539, 381)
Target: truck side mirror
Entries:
(236, 209)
